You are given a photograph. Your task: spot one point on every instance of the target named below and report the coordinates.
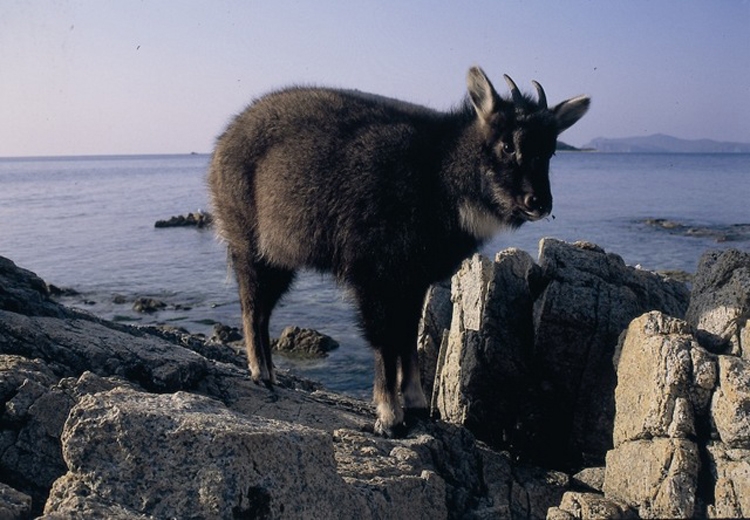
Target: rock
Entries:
(589, 297)
(24, 292)
(527, 364)
(238, 466)
(56, 291)
(225, 334)
(14, 504)
(664, 379)
(434, 324)
(657, 476)
(589, 506)
(102, 420)
(483, 360)
(730, 469)
(720, 301)
(535, 490)
(730, 407)
(199, 219)
(665, 382)
(148, 305)
(731, 233)
(307, 343)
(590, 478)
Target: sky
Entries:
(94, 77)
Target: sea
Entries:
(87, 224)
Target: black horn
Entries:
(514, 92)
(541, 94)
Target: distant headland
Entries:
(660, 143)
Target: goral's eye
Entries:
(508, 149)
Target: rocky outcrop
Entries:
(720, 303)
(305, 343)
(102, 420)
(720, 233)
(199, 219)
(527, 363)
(607, 372)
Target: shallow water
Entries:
(88, 224)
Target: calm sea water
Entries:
(88, 224)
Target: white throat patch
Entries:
(481, 223)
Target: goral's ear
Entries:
(570, 111)
(482, 94)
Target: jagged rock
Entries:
(530, 347)
(535, 490)
(730, 407)
(298, 342)
(589, 298)
(657, 476)
(199, 219)
(720, 301)
(24, 292)
(148, 305)
(589, 506)
(225, 334)
(14, 504)
(483, 360)
(236, 465)
(124, 422)
(730, 468)
(434, 324)
(664, 380)
(590, 478)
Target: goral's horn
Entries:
(514, 92)
(541, 94)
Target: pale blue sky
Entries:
(111, 77)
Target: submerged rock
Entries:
(730, 233)
(297, 342)
(148, 305)
(199, 219)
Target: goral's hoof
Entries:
(396, 431)
(263, 382)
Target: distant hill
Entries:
(566, 147)
(660, 143)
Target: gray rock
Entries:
(225, 333)
(535, 490)
(589, 298)
(306, 343)
(482, 369)
(590, 478)
(664, 378)
(433, 325)
(720, 301)
(659, 477)
(589, 506)
(148, 305)
(14, 505)
(730, 468)
(730, 407)
(24, 292)
(179, 454)
(123, 422)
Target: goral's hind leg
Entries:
(390, 317)
(260, 288)
(415, 403)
